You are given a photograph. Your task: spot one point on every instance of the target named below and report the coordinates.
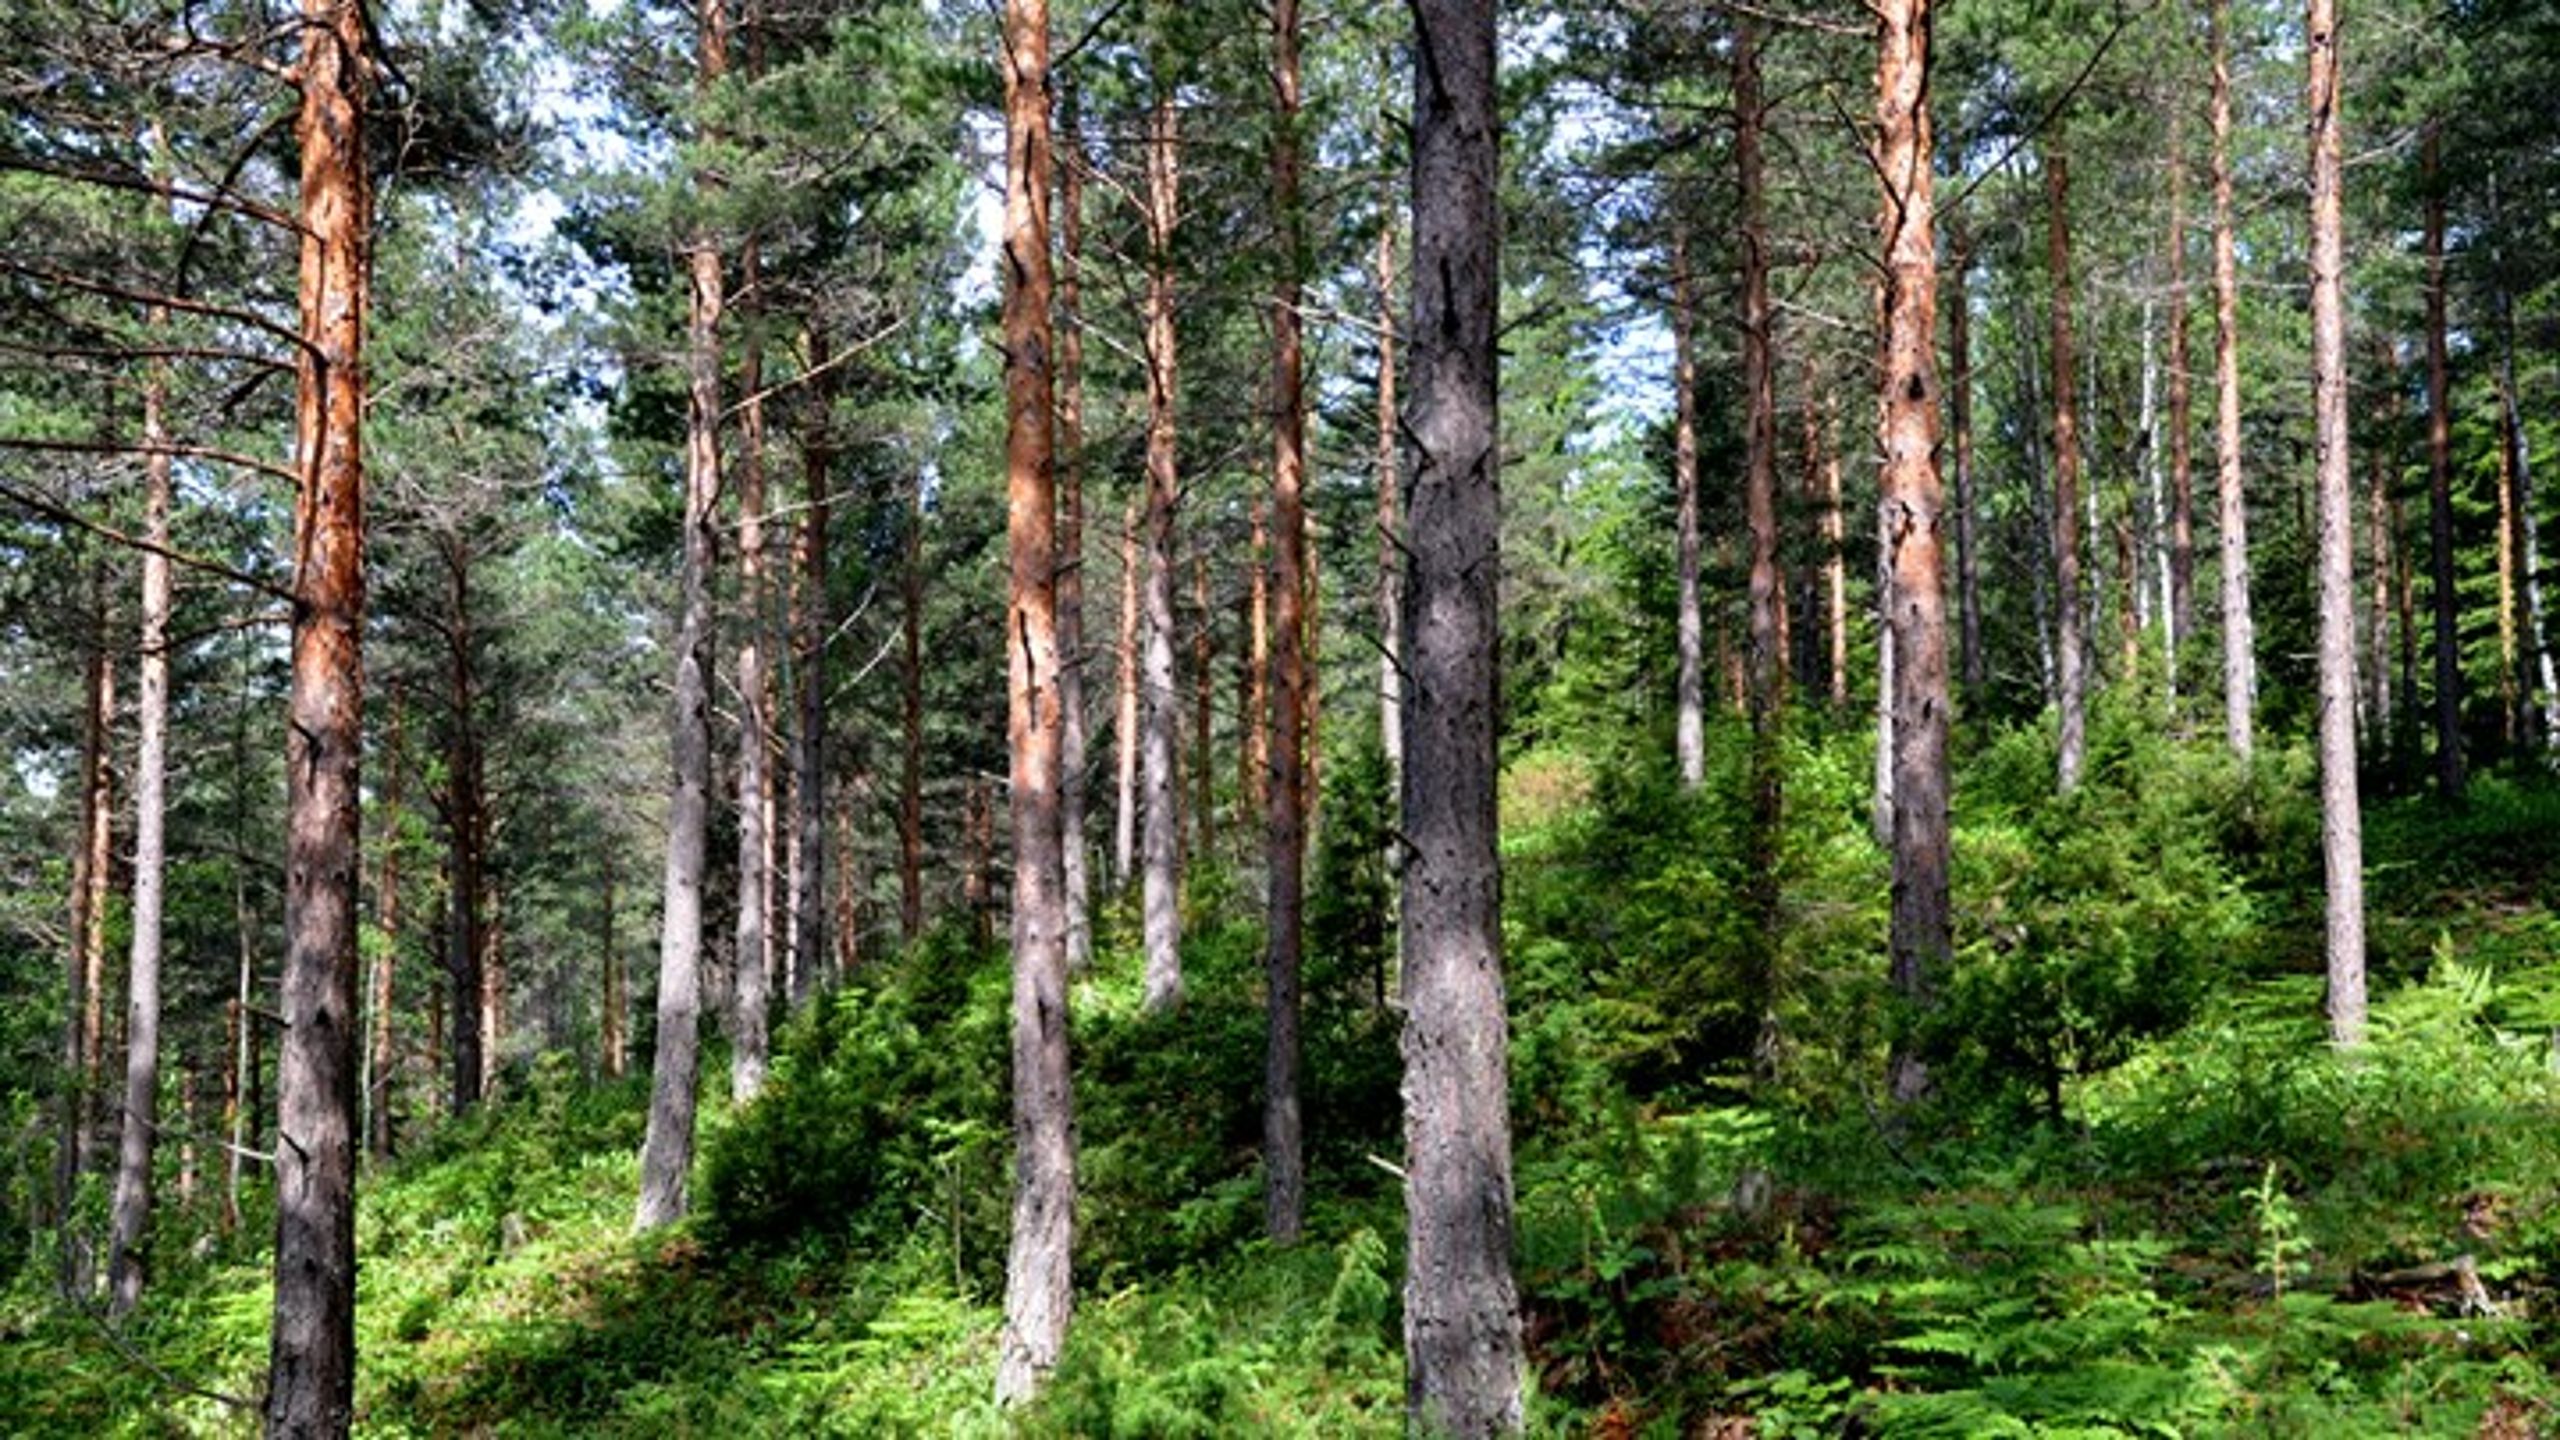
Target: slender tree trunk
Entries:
(1203, 775)
(1038, 1290)
(1463, 1353)
(386, 912)
(1390, 523)
(141, 1118)
(1766, 663)
(235, 1064)
(1284, 1163)
(189, 1170)
(312, 1354)
(2239, 631)
(1916, 621)
(2449, 757)
(467, 828)
(1690, 727)
(811, 620)
(748, 1036)
(1960, 420)
(2383, 541)
(911, 715)
(2510, 701)
(1253, 671)
(1162, 901)
(492, 996)
(2342, 825)
(1073, 740)
(1127, 714)
(2182, 483)
(616, 986)
(2529, 558)
(81, 1040)
(2070, 656)
(666, 1154)
(852, 881)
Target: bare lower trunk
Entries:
(1690, 726)
(1073, 742)
(811, 618)
(2239, 631)
(1915, 603)
(1038, 1292)
(1766, 662)
(2510, 700)
(1204, 651)
(1960, 421)
(80, 1037)
(467, 829)
(1463, 1354)
(616, 1048)
(2070, 658)
(2445, 601)
(131, 1243)
(2520, 464)
(911, 730)
(311, 1355)
(666, 1154)
(1390, 525)
(2383, 540)
(386, 912)
(2182, 483)
(747, 1031)
(1128, 711)
(1162, 900)
(2341, 820)
(1284, 1164)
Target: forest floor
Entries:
(2226, 1228)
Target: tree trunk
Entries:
(83, 961)
(132, 1233)
(386, 912)
(467, 830)
(2239, 632)
(911, 730)
(1390, 525)
(1127, 715)
(1824, 465)
(1284, 1162)
(616, 1002)
(1073, 742)
(2449, 757)
(811, 617)
(2341, 820)
(1690, 726)
(1916, 626)
(2529, 540)
(748, 1035)
(1767, 584)
(1463, 1354)
(1162, 901)
(2070, 654)
(1253, 671)
(2383, 542)
(492, 996)
(1960, 420)
(1204, 649)
(1038, 1289)
(666, 1154)
(311, 1357)
(2182, 482)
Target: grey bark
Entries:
(1162, 701)
(2239, 631)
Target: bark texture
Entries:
(666, 1153)
(748, 1036)
(1073, 741)
(2451, 769)
(1038, 1289)
(1463, 1353)
(1161, 902)
(1284, 1162)
(312, 1352)
(1913, 499)
(2239, 631)
(811, 619)
(2341, 816)
(1960, 421)
(2070, 652)
(1690, 726)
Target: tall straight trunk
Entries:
(2070, 654)
(666, 1153)
(2182, 481)
(2039, 499)
(1073, 739)
(977, 859)
(748, 1036)
(1162, 839)
(1390, 523)
(189, 1170)
(2383, 541)
(492, 996)
(852, 881)
(312, 1351)
(1128, 712)
(386, 917)
(911, 729)
(235, 1064)
(1253, 671)
(1284, 1161)
(2239, 631)
(1766, 587)
(2528, 533)
(1204, 634)
(1835, 557)
(2341, 817)
(81, 1040)
(2510, 699)
(1463, 1353)
(97, 875)
(1907, 434)
(1690, 696)
(2449, 757)
(1960, 421)
(467, 830)
(1038, 1290)
(141, 1118)
(811, 618)
(616, 986)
